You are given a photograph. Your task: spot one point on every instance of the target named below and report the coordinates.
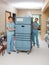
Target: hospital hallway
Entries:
(38, 56)
(21, 21)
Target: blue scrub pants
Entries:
(10, 43)
(35, 38)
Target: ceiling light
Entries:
(28, 5)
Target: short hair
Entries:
(36, 18)
(10, 17)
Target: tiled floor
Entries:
(38, 56)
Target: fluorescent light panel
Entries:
(28, 5)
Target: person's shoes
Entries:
(9, 52)
(14, 51)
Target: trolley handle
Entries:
(22, 26)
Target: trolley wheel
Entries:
(17, 51)
(48, 45)
(28, 52)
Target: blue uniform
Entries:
(10, 37)
(35, 33)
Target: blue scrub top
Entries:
(35, 24)
(11, 25)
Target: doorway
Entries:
(7, 14)
(14, 16)
(39, 20)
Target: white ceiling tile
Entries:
(38, 3)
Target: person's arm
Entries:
(10, 29)
(35, 27)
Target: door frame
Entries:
(5, 18)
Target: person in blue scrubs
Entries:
(35, 32)
(10, 35)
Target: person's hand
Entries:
(13, 29)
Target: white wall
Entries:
(3, 8)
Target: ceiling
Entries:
(22, 0)
(25, 4)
